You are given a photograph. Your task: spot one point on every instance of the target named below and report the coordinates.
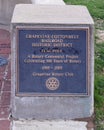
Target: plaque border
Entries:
(88, 62)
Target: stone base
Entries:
(51, 107)
(49, 125)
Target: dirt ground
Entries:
(100, 36)
(99, 30)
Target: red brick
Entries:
(2, 69)
(7, 86)
(0, 85)
(5, 98)
(1, 76)
(8, 75)
(4, 42)
(6, 51)
(4, 112)
(4, 35)
(2, 73)
(4, 125)
(5, 48)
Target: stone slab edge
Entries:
(49, 125)
(53, 14)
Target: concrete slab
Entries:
(53, 14)
(49, 125)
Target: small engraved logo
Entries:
(52, 83)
